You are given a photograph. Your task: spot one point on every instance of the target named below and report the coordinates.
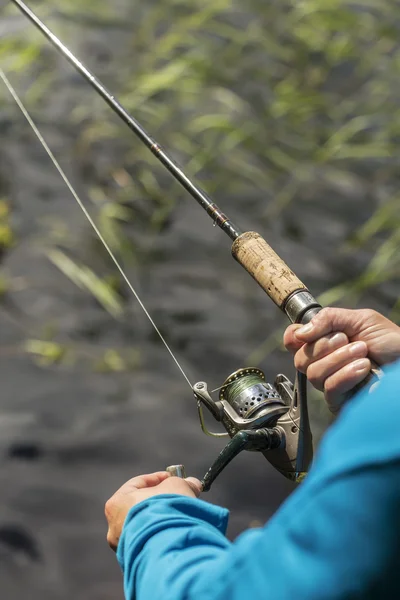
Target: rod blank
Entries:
(195, 191)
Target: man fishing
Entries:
(337, 537)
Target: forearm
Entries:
(170, 548)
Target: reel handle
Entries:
(177, 471)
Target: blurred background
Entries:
(288, 114)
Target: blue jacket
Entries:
(336, 538)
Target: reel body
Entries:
(259, 416)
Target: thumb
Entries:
(290, 340)
(329, 320)
(195, 484)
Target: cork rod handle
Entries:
(266, 267)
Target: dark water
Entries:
(68, 436)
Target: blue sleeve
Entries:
(336, 538)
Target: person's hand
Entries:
(138, 489)
(335, 348)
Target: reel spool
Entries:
(248, 393)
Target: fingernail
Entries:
(361, 365)
(304, 330)
(357, 348)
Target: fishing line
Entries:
(87, 215)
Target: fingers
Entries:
(145, 481)
(141, 488)
(319, 371)
(310, 353)
(334, 349)
(329, 320)
(290, 340)
(186, 487)
(344, 380)
(195, 485)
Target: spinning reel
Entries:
(261, 417)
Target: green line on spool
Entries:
(240, 381)
(240, 385)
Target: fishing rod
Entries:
(267, 268)
(257, 416)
